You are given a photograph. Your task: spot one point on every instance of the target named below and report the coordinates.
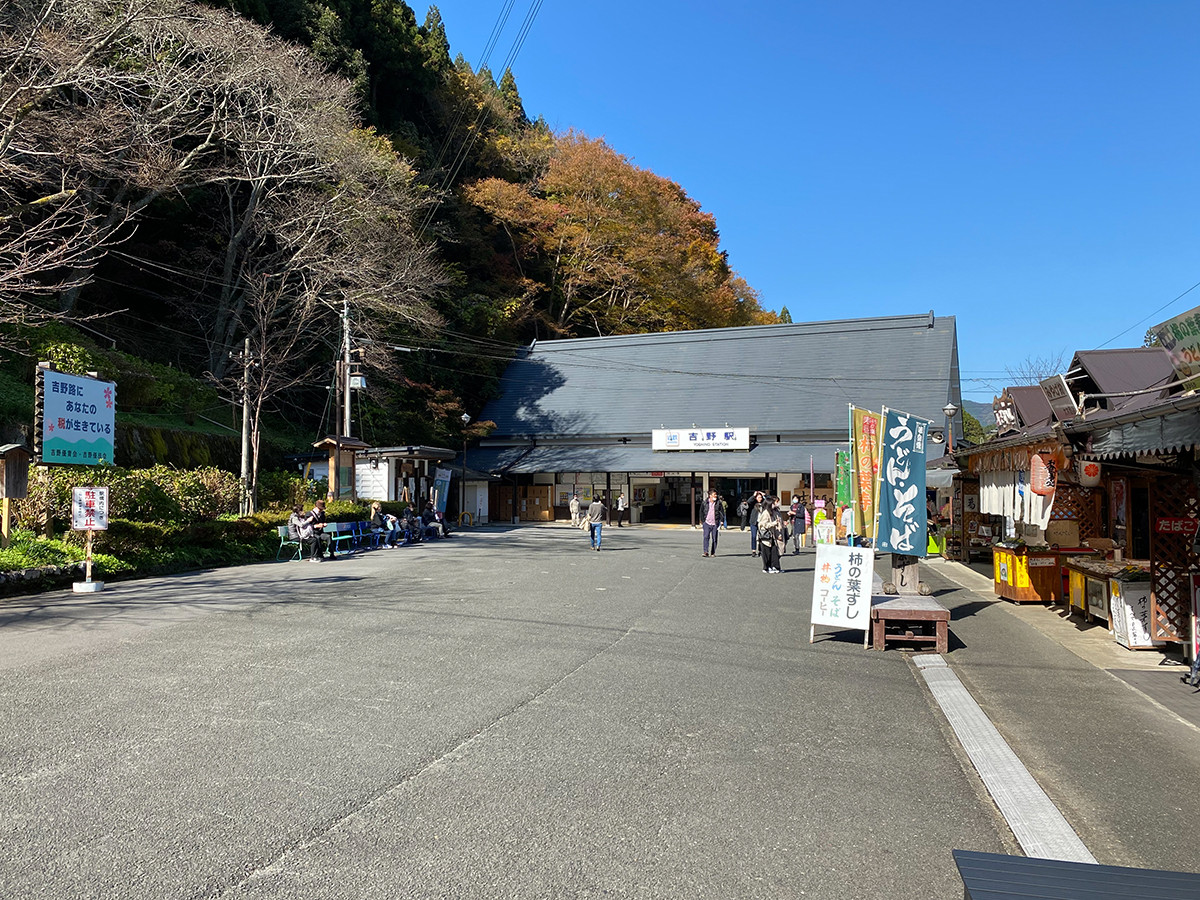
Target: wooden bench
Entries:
(910, 612)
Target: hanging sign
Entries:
(89, 509)
(1176, 525)
(903, 524)
(842, 586)
(1180, 337)
(1058, 395)
(78, 421)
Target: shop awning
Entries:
(1167, 433)
(766, 457)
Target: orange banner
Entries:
(866, 469)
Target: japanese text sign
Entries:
(864, 439)
(89, 509)
(902, 516)
(1176, 525)
(842, 586)
(715, 437)
(78, 419)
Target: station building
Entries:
(666, 417)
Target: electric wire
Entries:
(1148, 317)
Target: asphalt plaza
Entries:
(507, 714)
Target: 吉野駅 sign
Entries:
(721, 437)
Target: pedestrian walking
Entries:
(595, 521)
(769, 534)
(743, 509)
(724, 514)
(573, 505)
(622, 505)
(755, 508)
(712, 517)
(796, 512)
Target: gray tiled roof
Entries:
(794, 380)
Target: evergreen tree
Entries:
(785, 317)
(437, 47)
(512, 98)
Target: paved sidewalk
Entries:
(1121, 763)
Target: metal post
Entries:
(245, 505)
(346, 364)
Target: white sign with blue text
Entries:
(708, 437)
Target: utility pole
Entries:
(346, 362)
(245, 504)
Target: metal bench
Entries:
(342, 536)
(286, 541)
(916, 615)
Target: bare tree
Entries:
(1034, 369)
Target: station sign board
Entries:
(707, 437)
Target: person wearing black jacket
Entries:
(754, 509)
(316, 519)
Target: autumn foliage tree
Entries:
(605, 247)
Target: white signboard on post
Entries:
(89, 509)
(842, 587)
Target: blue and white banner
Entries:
(903, 523)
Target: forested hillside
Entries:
(177, 179)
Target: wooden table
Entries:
(909, 611)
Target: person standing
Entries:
(595, 521)
(574, 507)
(724, 514)
(769, 532)
(848, 525)
(753, 510)
(712, 517)
(622, 505)
(796, 513)
(743, 510)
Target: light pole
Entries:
(462, 488)
(951, 411)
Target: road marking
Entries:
(1036, 822)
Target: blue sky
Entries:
(1029, 167)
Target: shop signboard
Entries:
(903, 522)
(707, 437)
(441, 488)
(1130, 606)
(1195, 615)
(78, 419)
(842, 586)
(1176, 525)
(1058, 395)
(1180, 337)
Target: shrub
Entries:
(159, 494)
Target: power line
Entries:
(1147, 318)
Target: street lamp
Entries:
(462, 488)
(951, 411)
